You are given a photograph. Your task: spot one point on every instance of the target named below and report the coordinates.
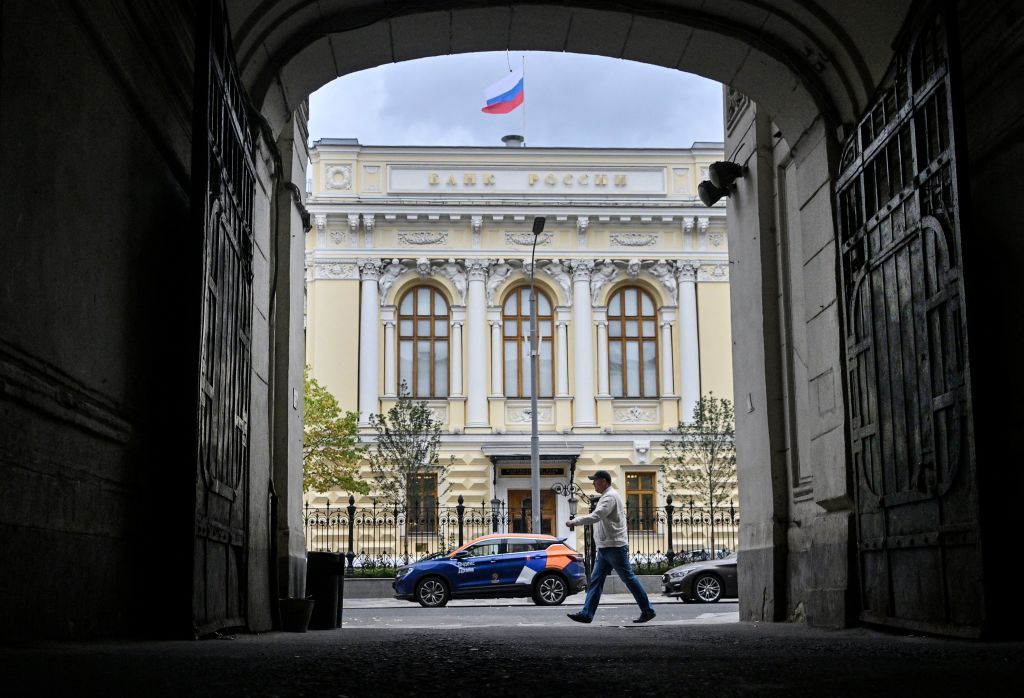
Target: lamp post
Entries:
(538, 228)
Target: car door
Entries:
(517, 565)
(477, 569)
(728, 572)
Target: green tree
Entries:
(330, 443)
(404, 457)
(702, 460)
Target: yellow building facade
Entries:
(417, 272)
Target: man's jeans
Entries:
(617, 559)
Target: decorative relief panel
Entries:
(423, 238)
(526, 239)
(633, 239)
(637, 413)
(337, 270)
(713, 272)
(518, 413)
(338, 177)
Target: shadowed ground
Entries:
(613, 658)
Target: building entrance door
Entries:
(520, 511)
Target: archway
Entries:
(810, 78)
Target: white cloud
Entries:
(571, 101)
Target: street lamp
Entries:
(538, 228)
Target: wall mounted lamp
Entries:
(722, 175)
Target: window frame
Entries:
(433, 339)
(640, 341)
(522, 319)
(429, 506)
(641, 526)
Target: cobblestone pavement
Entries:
(563, 659)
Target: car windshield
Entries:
(432, 556)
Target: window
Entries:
(482, 549)
(516, 334)
(421, 503)
(521, 545)
(632, 344)
(641, 513)
(423, 343)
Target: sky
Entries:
(571, 100)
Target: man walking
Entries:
(609, 521)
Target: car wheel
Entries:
(549, 590)
(432, 592)
(707, 588)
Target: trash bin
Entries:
(324, 573)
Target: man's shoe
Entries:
(645, 616)
(579, 617)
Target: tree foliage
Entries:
(702, 460)
(330, 443)
(408, 438)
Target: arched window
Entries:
(632, 344)
(423, 342)
(516, 333)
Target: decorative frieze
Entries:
(633, 239)
(636, 413)
(518, 413)
(713, 272)
(335, 270)
(526, 239)
(557, 271)
(423, 237)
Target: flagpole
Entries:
(524, 99)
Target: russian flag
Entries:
(504, 95)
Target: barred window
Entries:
(641, 514)
(516, 338)
(632, 344)
(423, 342)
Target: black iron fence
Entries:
(378, 538)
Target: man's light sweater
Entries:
(609, 520)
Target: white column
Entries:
(602, 359)
(667, 371)
(497, 390)
(476, 327)
(369, 313)
(390, 366)
(563, 359)
(584, 410)
(689, 350)
(455, 370)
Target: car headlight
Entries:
(403, 572)
(678, 574)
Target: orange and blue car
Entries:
(502, 565)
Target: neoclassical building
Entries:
(417, 270)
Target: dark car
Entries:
(705, 581)
(502, 565)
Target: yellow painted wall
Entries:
(715, 339)
(332, 337)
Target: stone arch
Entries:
(796, 59)
(411, 279)
(643, 280)
(520, 278)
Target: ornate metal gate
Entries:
(225, 185)
(910, 427)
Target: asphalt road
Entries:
(615, 610)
